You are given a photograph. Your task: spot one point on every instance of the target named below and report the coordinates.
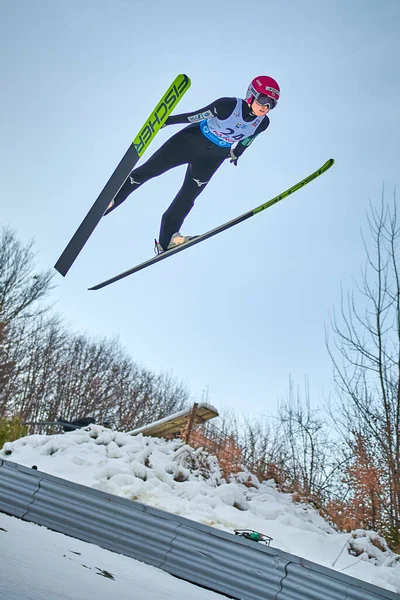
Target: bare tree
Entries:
(308, 449)
(37, 351)
(58, 374)
(21, 287)
(366, 360)
(142, 397)
(294, 448)
(260, 443)
(6, 370)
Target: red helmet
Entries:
(263, 88)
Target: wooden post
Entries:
(190, 423)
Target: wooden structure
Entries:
(178, 423)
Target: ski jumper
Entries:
(203, 145)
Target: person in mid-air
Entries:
(223, 129)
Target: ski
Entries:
(219, 229)
(135, 151)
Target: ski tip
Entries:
(98, 286)
(187, 79)
(327, 165)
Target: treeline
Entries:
(47, 371)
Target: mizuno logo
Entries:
(133, 182)
(200, 183)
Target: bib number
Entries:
(229, 133)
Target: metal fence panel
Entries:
(306, 584)
(356, 593)
(240, 568)
(17, 488)
(114, 523)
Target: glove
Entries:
(234, 158)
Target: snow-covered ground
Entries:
(172, 476)
(39, 564)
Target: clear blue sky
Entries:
(242, 311)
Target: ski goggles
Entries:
(264, 100)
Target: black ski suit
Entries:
(203, 157)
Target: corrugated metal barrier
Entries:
(200, 554)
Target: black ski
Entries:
(135, 151)
(219, 229)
